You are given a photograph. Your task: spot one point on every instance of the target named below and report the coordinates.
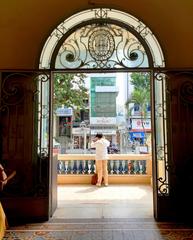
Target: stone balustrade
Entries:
(78, 168)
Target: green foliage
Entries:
(140, 81)
(70, 90)
(140, 95)
(141, 92)
(141, 98)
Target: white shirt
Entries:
(101, 148)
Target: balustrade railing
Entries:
(118, 164)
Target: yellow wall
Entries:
(26, 24)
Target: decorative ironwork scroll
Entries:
(12, 92)
(114, 40)
(186, 92)
(41, 130)
(161, 144)
(101, 46)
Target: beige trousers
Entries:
(101, 167)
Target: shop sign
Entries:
(103, 120)
(80, 131)
(103, 131)
(137, 124)
(64, 111)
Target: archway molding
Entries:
(109, 23)
(136, 27)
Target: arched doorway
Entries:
(108, 40)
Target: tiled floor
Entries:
(100, 229)
(114, 201)
(117, 212)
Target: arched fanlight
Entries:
(101, 38)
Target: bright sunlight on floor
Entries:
(114, 201)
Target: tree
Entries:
(140, 81)
(140, 95)
(70, 91)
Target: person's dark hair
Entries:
(99, 135)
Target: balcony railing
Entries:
(78, 168)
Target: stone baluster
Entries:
(83, 166)
(66, 167)
(72, 166)
(111, 166)
(89, 167)
(123, 166)
(135, 166)
(140, 167)
(117, 166)
(77, 166)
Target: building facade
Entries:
(103, 93)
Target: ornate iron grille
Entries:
(115, 39)
(161, 130)
(99, 46)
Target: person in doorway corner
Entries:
(101, 145)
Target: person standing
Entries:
(101, 144)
